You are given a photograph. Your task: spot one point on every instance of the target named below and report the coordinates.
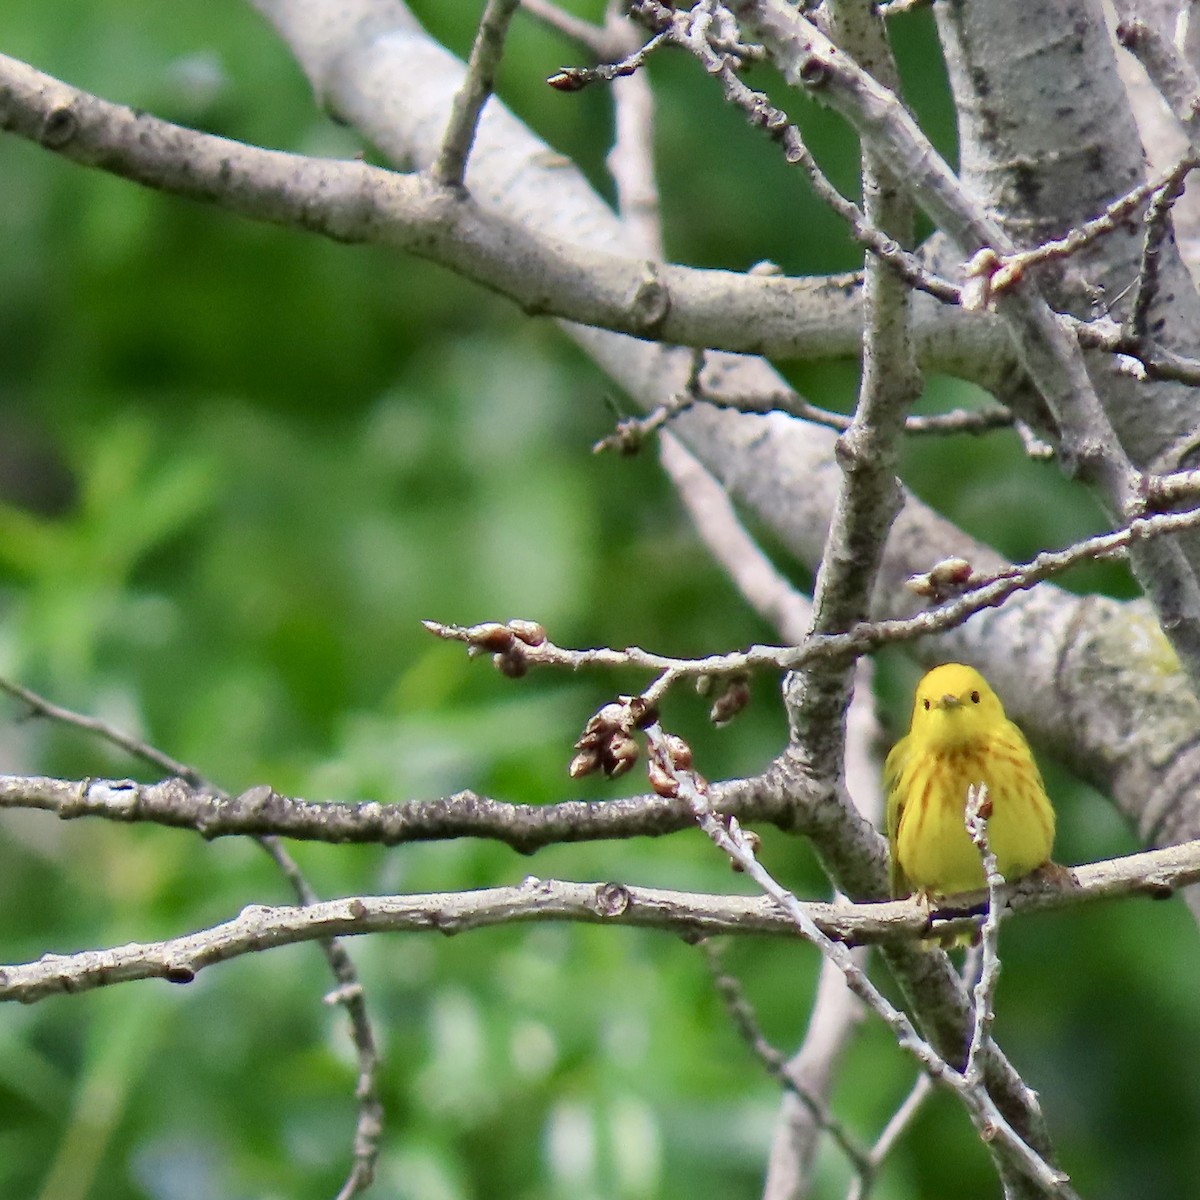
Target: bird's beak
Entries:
(949, 702)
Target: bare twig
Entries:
(1168, 184)
(39, 706)
(985, 419)
(901, 1119)
(1173, 76)
(983, 592)
(746, 1023)
(633, 432)
(592, 37)
(575, 79)
(691, 30)
(836, 1016)
(1150, 360)
(477, 87)
(1166, 489)
(984, 993)
(768, 592)
(631, 160)
(349, 993)
(1158, 226)
(1034, 446)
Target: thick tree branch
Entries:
(474, 93)
(356, 202)
(685, 914)
(261, 811)
(349, 993)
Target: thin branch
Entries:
(351, 201)
(593, 38)
(349, 993)
(691, 31)
(901, 1119)
(575, 79)
(1168, 183)
(741, 1013)
(984, 592)
(767, 591)
(1170, 73)
(984, 994)
(1157, 874)
(632, 433)
(1148, 359)
(630, 162)
(477, 87)
(836, 1016)
(136, 748)
(1161, 490)
(1158, 228)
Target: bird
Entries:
(960, 738)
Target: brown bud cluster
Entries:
(507, 644)
(608, 743)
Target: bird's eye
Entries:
(974, 697)
(926, 703)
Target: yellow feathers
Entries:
(960, 738)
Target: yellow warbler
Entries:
(960, 738)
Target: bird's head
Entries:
(954, 705)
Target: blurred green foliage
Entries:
(240, 465)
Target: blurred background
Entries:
(239, 466)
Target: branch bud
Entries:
(569, 79)
(490, 636)
(530, 632)
(619, 755)
(584, 763)
(661, 781)
(679, 750)
(755, 844)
